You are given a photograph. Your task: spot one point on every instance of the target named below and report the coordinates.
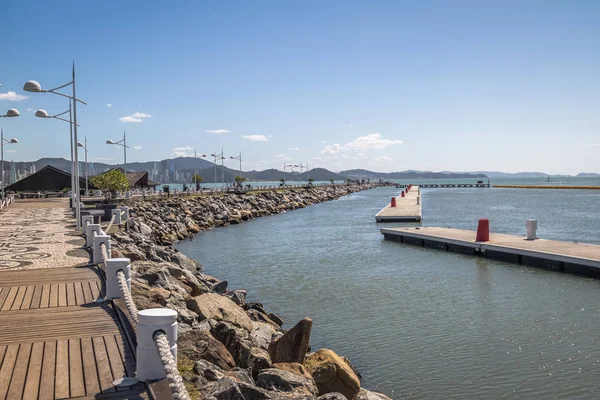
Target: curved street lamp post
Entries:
(196, 155)
(122, 142)
(12, 112)
(35, 87)
(84, 147)
(240, 159)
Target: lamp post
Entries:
(84, 147)
(218, 156)
(196, 155)
(2, 142)
(34, 86)
(238, 158)
(292, 169)
(301, 167)
(122, 142)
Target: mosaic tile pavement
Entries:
(40, 234)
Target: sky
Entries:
(382, 85)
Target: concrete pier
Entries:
(575, 258)
(408, 208)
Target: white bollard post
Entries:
(151, 320)
(117, 214)
(85, 220)
(531, 225)
(97, 252)
(89, 234)
(112, 284)
(125, 214)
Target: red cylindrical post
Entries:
(402, 194)
(483, 230)
(393, 203)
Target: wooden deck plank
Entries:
(2, 352)
(17, 382)
(10, 298)
(114, 355)
(19, 298)
(79, 297)
(71, 294)
(37, 296)
(62, 294)
(53, 295)
(76, 383)
(87, 292)
(50, 275)
(126, 355)
(96, 289)
(26, 304)
(48, 368)
(3, 293)
(7, 369)
(45, 299)
(34, 371)
(61, 389)
(90, 372)
(103, 365)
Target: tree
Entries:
(331, 180)
(310, 181)
(197, 178)
(282, 182)
(110, 183)
(240, 179)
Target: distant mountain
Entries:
(410, 174)
(588, 175)
(498, 174)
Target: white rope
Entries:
(129, 303)
(178, 389)
(110, 224)
(104, 253)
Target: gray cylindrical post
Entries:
(418, 200)
(149, 366)
(531, 225)
(97, 252)
(116, 213)
(125, 214)
(89, 234)
(112, 284)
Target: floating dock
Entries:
(407, 209)
(449, 185)
(574, 258)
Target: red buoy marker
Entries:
(483, 230)
(393, 203)
(402, 194)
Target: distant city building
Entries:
(32, 169)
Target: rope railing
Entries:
(110, 224)
(104, 253)
(129, 303)
(176, 385)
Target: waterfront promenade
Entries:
(56, 341)
(405, 209)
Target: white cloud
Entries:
(11, 151)
(594, 144)
(346, 125)
(373, 141)
(323, 141)
(29, 109)
(137, 147)
(135, 117)
(256, 138)
(294, 148)
(182, 151)
(12, 96)
(385, 158)
(109, 105)
(217, 131)
(104, 159)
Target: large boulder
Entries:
(365, 394)
(220, 308)
(262, 334)
(332, 373)
(200, 344)
(230, 389)
(239, 344)
(293, 345)
(284, 381)
(295, 368)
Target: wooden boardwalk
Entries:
(406, 210)
(56, 341)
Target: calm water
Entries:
(422, 323)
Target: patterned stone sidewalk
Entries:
(39, 234)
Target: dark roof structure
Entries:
(46, 179)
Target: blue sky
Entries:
(383, 85)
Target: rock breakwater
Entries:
(230, 348)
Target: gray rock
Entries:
(365, 394)
(262, 334)
(220, 308)
(220, 287)
(285, 381)
(200, 344)
(332, 396)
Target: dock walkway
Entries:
(56, 341)
(406, 210)
(576, 258)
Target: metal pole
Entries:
(71, 139)
(240, 164)
(86, 168)
(124, 153)
(77, 209)
(215, 170)
(2, 151)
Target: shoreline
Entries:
(221, 333)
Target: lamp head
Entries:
(232, 157)
(203, 155)
(42, 113)
(79, 144)
(32, 86)
(110, 142)
(14, 140)
(12, 112)
(213, 155)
